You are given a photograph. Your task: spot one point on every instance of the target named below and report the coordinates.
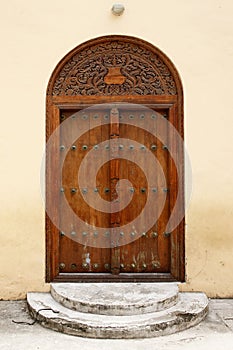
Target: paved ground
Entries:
(215, 333)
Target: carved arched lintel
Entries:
(115, 65)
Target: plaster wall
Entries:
(198, 37)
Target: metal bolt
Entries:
(121, 147)
(62, 266)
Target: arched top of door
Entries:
(115, 65)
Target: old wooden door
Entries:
(115, 148)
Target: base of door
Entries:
(108, 311)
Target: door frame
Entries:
(54, 103)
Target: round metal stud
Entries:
(95, 234)
(62, 266)
(73, 266)
(95, 266)
(106, 190)
(95, 116)
(107, 147)
(62, 148)
(165, 190)
(96, 190)
(85, 147)
(154, 189)
(62, 189)
(85, 117)
(131, 116)
(121, 234)
(154, 234)
(62, 117)
(143, 234)
(62, 233)
(156, 264)
(73, 190)
(121, 147)
(166, 234)
(153, 116)
(133, 265)
(73, 233)
(84, 234)
(84, 190)
(73, 116)
(132, 190)
(165, 147)
(84, 265)
(142, 116)
(96, 147)
(122, 266)
(107, 266)
(73, 147)
(143, 190)
(106, 117)
(153, 147)
(131, 147)
(143, 147)
(132, 234)
(107, 234)
(144, 266)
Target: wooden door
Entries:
(106, 243)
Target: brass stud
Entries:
(62, 266)
(156, 264)
(144, 266)
(62, 117)
(154, 234)
(107, 147)
(107, 266)
(166, 234)
(106, 117)
(122, 266)
(143, 234)
(95, 266)
(133, 265)
(73, 266)
(85, 265)
(131, 116)
(96, 116)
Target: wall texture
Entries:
(198, 37)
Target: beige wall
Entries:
(198, 36)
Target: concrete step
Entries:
(116, 298)
(189, 310)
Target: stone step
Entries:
(189, 311)
(116, 298)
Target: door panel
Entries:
(148, 250)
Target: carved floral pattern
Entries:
(145, 73)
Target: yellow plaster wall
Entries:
(198, 37)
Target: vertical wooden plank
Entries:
(114, 178)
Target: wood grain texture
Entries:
(81, 79)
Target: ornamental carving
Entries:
(114, 67)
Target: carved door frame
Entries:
(73, 83)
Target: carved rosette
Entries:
(114, 67)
